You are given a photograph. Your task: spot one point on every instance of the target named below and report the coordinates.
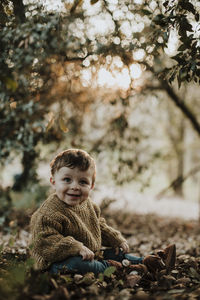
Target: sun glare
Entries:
(105, 78)
(117, 76)
(135, 71)
(172, 43)
(115, 79)
(139, 54)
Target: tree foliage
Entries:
(183, 16)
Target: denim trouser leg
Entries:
(110, 254)
(77, 264)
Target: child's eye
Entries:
(83, 182)
(67, 179)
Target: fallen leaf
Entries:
(13, 104)
(176, 291)
(109, 271)
(132, 280)
(54, 283)
(62, 125)
(87, 279)
(193, 273)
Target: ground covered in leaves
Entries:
(18, 279)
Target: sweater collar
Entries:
(77, 207)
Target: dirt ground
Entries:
(145, 234)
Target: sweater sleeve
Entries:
(109, 235)
(50, 244)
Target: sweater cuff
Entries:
(117, 241)
(73, 245)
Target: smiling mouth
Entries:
(72, 195)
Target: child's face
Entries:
(72, 185)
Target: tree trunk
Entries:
(3, 16)
(180, 159)
(28, 174)
(19, 11)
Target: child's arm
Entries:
(48, 242)
(110, 236)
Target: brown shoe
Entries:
(153, 263)
(115, 263)
(168, 255)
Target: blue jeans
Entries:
(78, 265)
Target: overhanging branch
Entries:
(177, 101)
(177, 182)
(182, 106)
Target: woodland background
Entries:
(119, 79)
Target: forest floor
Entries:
(145, 233)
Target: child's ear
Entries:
(52, 181)
(92, 186)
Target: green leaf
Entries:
(172, 77)
(30, 262)
(165, 4)
(182, 47)
(197, 17)
(185, 25)
(88, 278)
(165, 36)
(67, 278)
(62, 125)
(179, 59)
(11, 84)
(159, 20)
(193, 66)
(146, 12)
(109, 271)
(50, 124)
(187, 6)
(182, 74)
(120, 282)
(101, 277)
(179, 81)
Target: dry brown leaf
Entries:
(132, 280)
(13, 105)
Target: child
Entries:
(68, 231)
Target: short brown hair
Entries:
(73, 158)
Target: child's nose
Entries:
(75, 185)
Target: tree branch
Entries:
(182, 106)
(74, 6)
(177, 101)
(177, 182)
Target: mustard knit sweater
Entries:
(59, 230)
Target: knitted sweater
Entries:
(59, 231)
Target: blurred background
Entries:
(119, 79)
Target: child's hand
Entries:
(86, 253)
(124, 246)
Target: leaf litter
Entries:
(145, 233)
